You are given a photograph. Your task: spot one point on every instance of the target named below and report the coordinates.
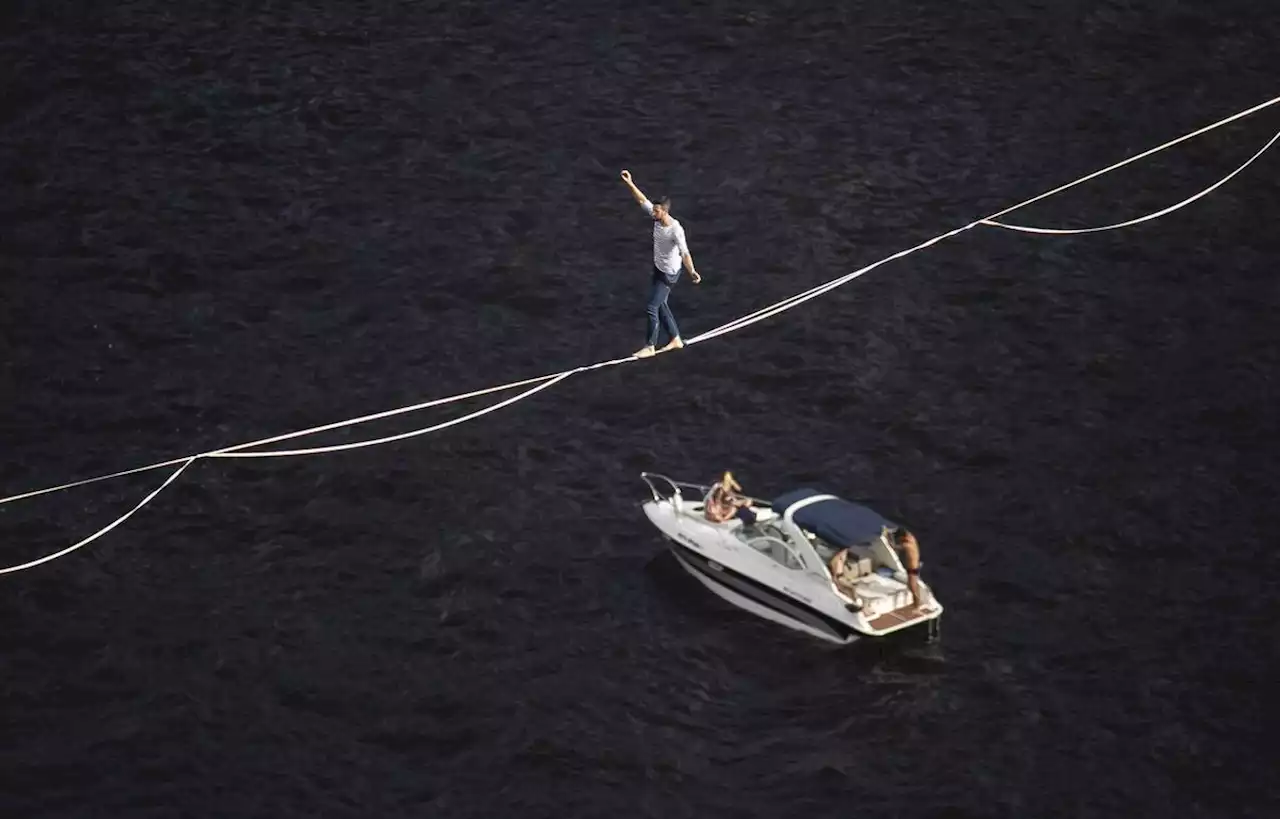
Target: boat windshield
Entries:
(769, 540)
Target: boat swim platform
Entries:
(899, 617)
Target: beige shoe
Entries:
(643, 352)
(673, 344)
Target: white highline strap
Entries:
(91, 538)
(547, 381)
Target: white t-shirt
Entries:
(669, 244)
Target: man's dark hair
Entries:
(664, 203)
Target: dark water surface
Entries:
(226, 223)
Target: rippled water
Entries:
(221, 226)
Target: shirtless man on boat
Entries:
(905, 542)
(845, 572)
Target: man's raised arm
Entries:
(639, 197)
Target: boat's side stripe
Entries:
(762, 594)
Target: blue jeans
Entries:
(659, 289)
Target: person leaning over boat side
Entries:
(905, 542)
(724, 502)
(669, 250)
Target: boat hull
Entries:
(759, 599)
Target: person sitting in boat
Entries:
(844, 571)
(725, 501)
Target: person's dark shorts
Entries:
(745, 514)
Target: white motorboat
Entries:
(778, 567)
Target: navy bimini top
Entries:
(839, 522)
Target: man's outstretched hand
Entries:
(626, 176)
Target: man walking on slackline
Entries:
(669, 251)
